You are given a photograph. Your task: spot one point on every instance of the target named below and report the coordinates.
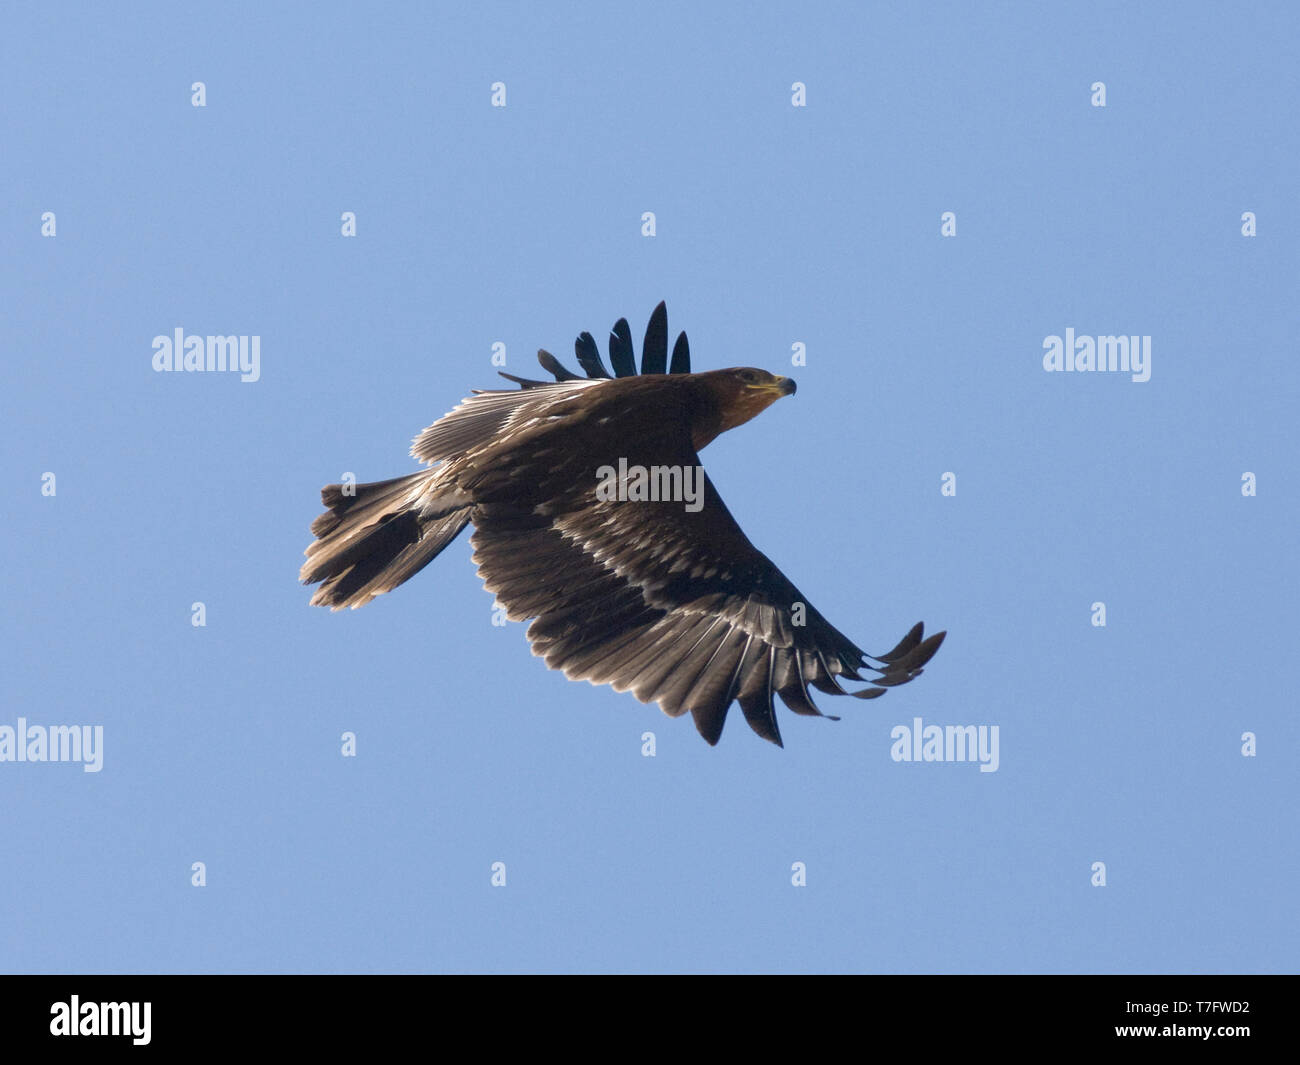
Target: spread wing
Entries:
(671, 603)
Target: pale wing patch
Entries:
(480, 419)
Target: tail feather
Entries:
(376, 536)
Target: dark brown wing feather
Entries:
(674, 605)
(654, 353)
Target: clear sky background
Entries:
(776, 225)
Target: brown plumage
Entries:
(663, 597)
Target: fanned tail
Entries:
(376, 536)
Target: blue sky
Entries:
(775, 225)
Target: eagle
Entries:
(585, 521)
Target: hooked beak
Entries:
(771, 391)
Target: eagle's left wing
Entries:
(671, 603)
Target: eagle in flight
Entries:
(636, 589)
